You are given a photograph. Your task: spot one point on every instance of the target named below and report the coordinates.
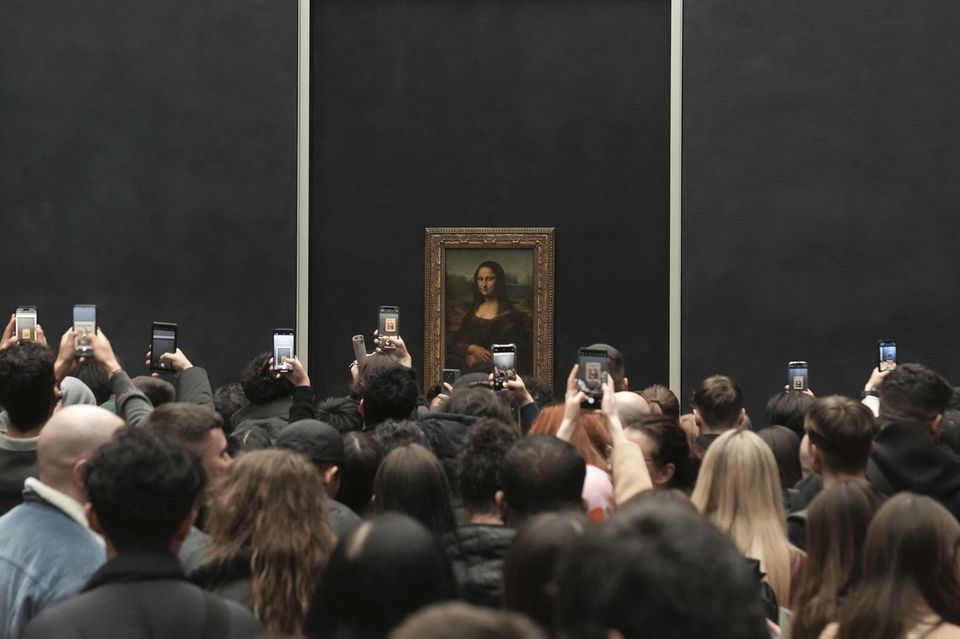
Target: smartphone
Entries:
(451, 375)
(283, 346)
(504, 364)
(389, 325)
(26, 324)
(798, 376)
(359, 349)
(163, 339)
(85, 325)
(594, 366)
(886, 355)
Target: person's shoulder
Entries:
(945, 631)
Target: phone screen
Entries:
(389, 323)
(26, 324)
(594, 365)
(798, 376)
(164, 340)
(504, 364)
(282, 347)
(85, 325)
(887, 356)
(451, 375)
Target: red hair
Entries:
(590, 436)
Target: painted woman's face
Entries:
(486, 281)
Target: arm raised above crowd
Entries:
(627, 463)
(132, 405)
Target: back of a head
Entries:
(392, 433)
(478, 401)
(183, 423)
(913, 393)
(389, 393)
(459, 620)
(842, 430)
(362, 458)
(632, 407)
(789, 408)
(785, 445)
(227, 400)
(411, 480)
(590, 437)
(90, 373)
(72, 434)
(541, 473)
(671, 446)
(719, 402)
(318, 442)
(342, 413)
(388, 568)
(142, 489)
(658, 570)
(260, 384)
(27, 384)
(615, 365)
(479, 462)
(663, 400)
(158, 391)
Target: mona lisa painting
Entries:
(487, 286)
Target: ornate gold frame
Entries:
(438, 240)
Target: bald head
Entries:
(632, 407)
(71, 435)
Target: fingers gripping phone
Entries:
(26, 324)
(163, 339)
(594, 366)
(504, 364)
(85, 325)
(283, 346)
(798, 376)
(389, 324)
(886, 355)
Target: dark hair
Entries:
(913, 393)
(539, 390)
(837, 522)
(90, 373)
(158, 391)
(661, 399)
(393, 433)
(343, 413)
(227, 400)
(363, 458)
(785, 445)
(458, 620)
(27, 384)
(479, 462)
(842, 430)
(541, 473)
(615, 365)
(142, 488)
(719, 401)
(260, 384)
(690, 577)
(531, 562)
(950, 430)
(386, 569)
(188, 425)
(411, 480)
(500, 292)
(389, 392)
(788, 408)
(672, 447)
(479, 402)
(909, 559)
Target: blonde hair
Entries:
(739, 491)
(270, 506)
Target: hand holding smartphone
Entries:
(283, 346)
(163, 339)
(594, 367)
(85, 325)
(504, 364)
(26, 324)
(798, 376)
(388, 325)
(886, 355)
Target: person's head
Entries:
(457, 620)
(489, 282)
(67, 441)
(662, 400)
(321, 445)
(270, 508)
(914, 393)
(478, 401)
(260, 384)
(837, 521)
(632, 407)
(785, 445)
(143, 493)
(666, 451)
(412, 481)
(615, 366)
(530, 564)
(389, 392)
(158, 391)
(718, 404)
(362, 458)
(839, 435)
(909, 561)
(478, 464)
(227, 400)
(590, 434)
(28, 387)
(540, 473)
(74, 392)
(950, 430)
(90, 373)
(197, 428)
(738, 489)
(392, 433)
(657, 570)
(789, 408)
(343, 413)
(539, 390)
(386, 569)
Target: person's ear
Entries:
(696, 418)
(626, 383)
(664, 474)
(92, 519)
(935, 425)
(360, 407)
(331, 480)
(743, 417)
(78, 476)
(815, 457)
(501, 500)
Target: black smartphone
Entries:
(283, 346)
(798, 376)
(451, 375)
(594, 366)
(504, 364)
(359, 349)
(163, 339)
(85, 325)
(886, 355)
(26, 323)
(389, 324)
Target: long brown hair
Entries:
(909, 559)
(591, 436)
(270, 506)
(837, 522)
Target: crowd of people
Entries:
(142, 507)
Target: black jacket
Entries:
(142, 595)
(477, 553)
